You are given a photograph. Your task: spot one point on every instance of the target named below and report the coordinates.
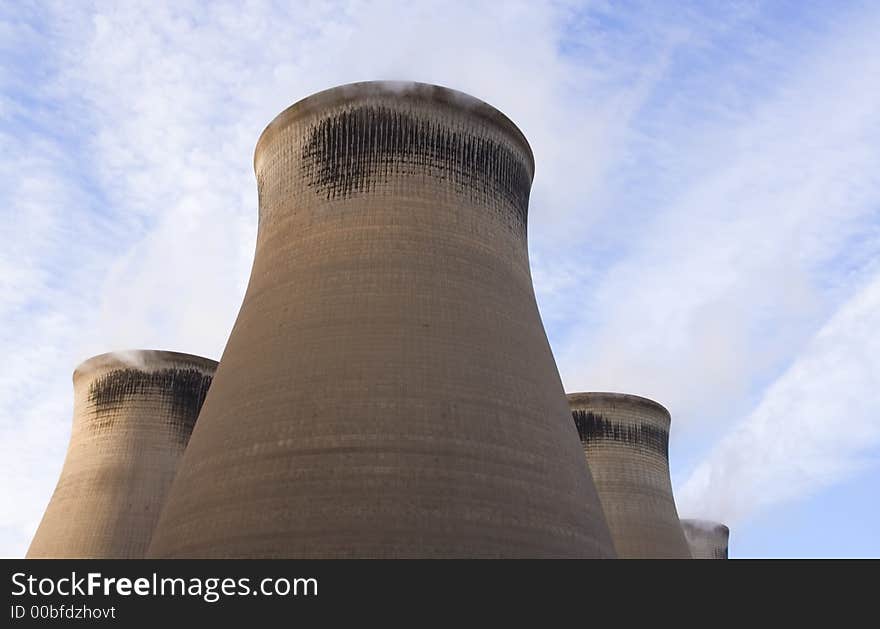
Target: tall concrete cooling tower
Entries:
(388, 389)
(707, 540)
(133, 415)
(626, 443)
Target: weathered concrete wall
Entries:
(707, 540)
(388, 389)
(626, 443)
(133, 415)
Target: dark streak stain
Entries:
(184, 391)
(593, 427)
(352, 151)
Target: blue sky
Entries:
(704, 225)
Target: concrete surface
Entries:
(625, 440)
(388, 389)
(133, 415)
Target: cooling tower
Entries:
(133, 415)
(707, 540)
(626, 443)
(387, 389)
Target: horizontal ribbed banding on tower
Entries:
(134, 412)
(362, 138)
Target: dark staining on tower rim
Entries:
(353, 150)
(184, 390)
(593, 427)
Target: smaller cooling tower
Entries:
(133, 415)
(707, 540)
(626, 443)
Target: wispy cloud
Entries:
(745, 296)
(816, 424)
(759, 224)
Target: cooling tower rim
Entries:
(582, 397)
(410, 89)
(707, 525)
(146, 359)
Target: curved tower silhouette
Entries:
(707, 540)
(388, 389)
(133, 415)
(626, 443)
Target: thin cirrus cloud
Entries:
(705, 198)
(816, 424)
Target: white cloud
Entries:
(767, 221)
(817, 424)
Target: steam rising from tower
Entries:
(133, 415)
(388, 389)
(626, 443)
(707, 540)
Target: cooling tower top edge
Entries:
(145, 359)
(585, 397)
(405, 89)
(707, 525)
